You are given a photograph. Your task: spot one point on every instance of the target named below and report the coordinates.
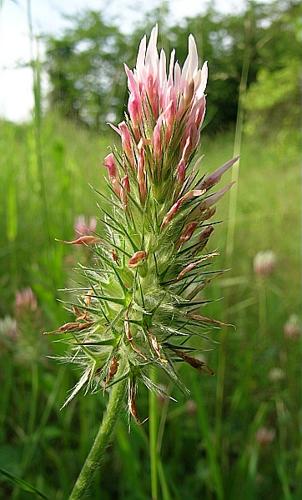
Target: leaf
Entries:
(78, 387)
(24, 485)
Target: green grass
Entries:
(45, 446)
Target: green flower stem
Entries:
(153, 418)
(262, 306)
(114, 407)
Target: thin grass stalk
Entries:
(163, 419)
(211, 450)
(114, 407)
(231, 233)
(12, 226)
(34, 435)
(230, 239)
(153, 428)
(163, 482)
(281, 468)
(34, 398)
(34, 438)
(261, 290)
(132, 472)
(37, 117)
(139, 430)
(7, 389)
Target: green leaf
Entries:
(24, 485)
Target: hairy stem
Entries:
(102, 439)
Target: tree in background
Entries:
(274, 96)
(87, 79)
(84, 66)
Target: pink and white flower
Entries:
(84, 226)
(165, 95)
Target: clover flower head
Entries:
(141, 308)
(25, 301)
(265, 263)
(292, 328)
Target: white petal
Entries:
(193, 55)
(203, 81)
(185, 68)
(141, 54)
(152, 54)
(197, 79)
(171, 66)
(163, 68)
(191, 63)
(177, 76)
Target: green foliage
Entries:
(22, 484)
(84, 67)
(85, 62)
(275, 95)
(44, 445)
(49, 451)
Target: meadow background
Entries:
(240, 432)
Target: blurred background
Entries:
(61, 81)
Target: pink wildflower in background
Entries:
(84, 226)
(265, 263)
(292, 328)
(25, 301)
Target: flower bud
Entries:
(208, 213)
(215, 177)
(200, 112)
(112, 370)
(181, 172)
(134, 108)
(170, 116)
(126, 141)
(109, 163)
(204, 236)
(83, 240)
(187, 232)
(125, 190)
(152, 91)
(211, 200)
(137, 258)
(141, 175)
(193, 265)
(174, 209)
(156, 139)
